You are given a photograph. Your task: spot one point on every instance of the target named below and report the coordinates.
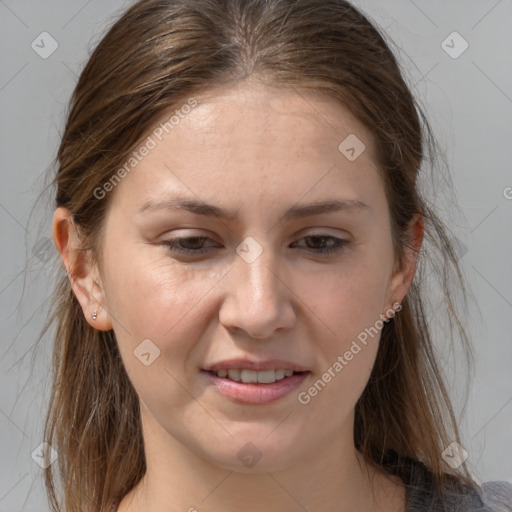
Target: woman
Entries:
(241, 323)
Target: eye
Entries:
(194, 243)
(329, 244)
(322, 244)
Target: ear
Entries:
(403, 275)
(82, 271)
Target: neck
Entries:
(333, 476)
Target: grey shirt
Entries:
(492, 497)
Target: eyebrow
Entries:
(200, 207)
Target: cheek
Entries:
(152, 294)
(161, 301)
(349, 303)
(350, 299)
(351, 308)
(167, 305)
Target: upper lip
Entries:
(269, 364)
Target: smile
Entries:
(255, 387)
(252, 376)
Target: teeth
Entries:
(280, 374)
(266, 376)
(234, 374)
(251, 376)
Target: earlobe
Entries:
(401, 280)
(81, 270)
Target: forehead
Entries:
(253, 139)
(277, 118)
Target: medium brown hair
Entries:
(158, 54)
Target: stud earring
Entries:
(94, 315)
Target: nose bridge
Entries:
(260, 283)
(257, 300)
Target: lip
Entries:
(255, 393)
(259, 366)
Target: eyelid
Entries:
(317, 231)
(340, 244)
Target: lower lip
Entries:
(256, 393)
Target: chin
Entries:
(260, 455)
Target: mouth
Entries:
(254, 387)
(252, 376)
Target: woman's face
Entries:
(255, 285)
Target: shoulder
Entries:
(497, 496)
(457, 496)
(488, 497)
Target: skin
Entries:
(255, 151)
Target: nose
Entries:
(258, 298)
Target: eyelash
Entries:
(173, 245)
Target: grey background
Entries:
(468, 101)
